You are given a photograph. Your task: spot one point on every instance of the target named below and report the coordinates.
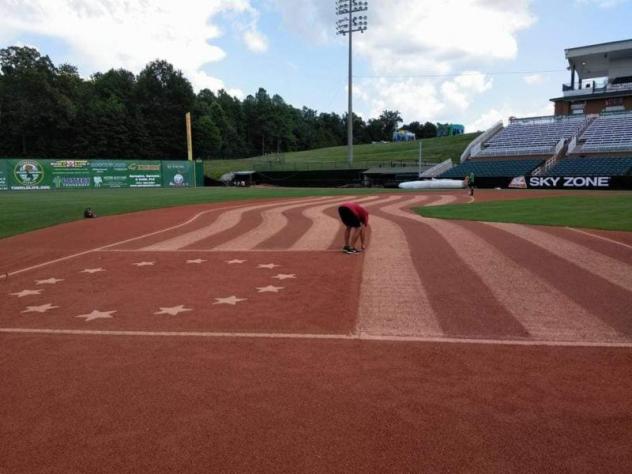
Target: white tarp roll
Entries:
(433, 184)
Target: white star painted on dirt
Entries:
(96, 314)
(144, 264)
(269, 289)
(174, 310)
(50, 281)
(197, 260)
(284, 276)
(268, 265)
(39, 309)
(92, 270)
(230, 300)
(236, 260)
(22, 293)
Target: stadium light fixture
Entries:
(350, 22)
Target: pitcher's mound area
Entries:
(277, 292)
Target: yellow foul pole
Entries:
(189, 139)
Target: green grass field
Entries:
(26, 211)
(434, 150)
(591, 212)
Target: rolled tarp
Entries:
(433, 184)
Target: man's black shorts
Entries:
(348, 217)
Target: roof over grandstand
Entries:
(594, 60)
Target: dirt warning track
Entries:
(448, 345)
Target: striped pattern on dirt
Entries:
(224, 221)
(393, 301)
(431, 278)
(608, 302)
(273, 222)
(617, 273)
(537, 306)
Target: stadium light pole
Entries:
(349, 23)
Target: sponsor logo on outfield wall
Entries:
(570, 182)
(29, 174)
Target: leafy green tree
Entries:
(429, 130)
(32, 107)
(49, 111)
(164, 96)
(390, 123)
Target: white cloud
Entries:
(420, 99)
(460, 90)
(445, 34)
(534, 79)
(103, 34)
(311, 19)
(409, 42)
(502, 113)
(425, 36)
(413, 99)
(255, 41)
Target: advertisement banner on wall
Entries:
(68, 174)
(109, 174)
(177, 174)
(4, 179)
(144, 174)
(34, 174)
(569, 182)
(28, 174)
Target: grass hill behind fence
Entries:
(365, 156)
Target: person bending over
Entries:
(356, 219)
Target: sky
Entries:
(473, 62)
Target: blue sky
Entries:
(462, 61)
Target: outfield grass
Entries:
(26, 211)
(434, 150)
(591, 212)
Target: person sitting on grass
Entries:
(356, 219)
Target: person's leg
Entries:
(347, 235)
(355, 235)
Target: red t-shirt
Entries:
(358, 211)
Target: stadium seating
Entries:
(531, 138)
(492, 168)
(613, 166)
(608, 133)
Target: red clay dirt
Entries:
(319, 295)
(304, 391)
(103, 404)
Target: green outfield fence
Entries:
(37, 174)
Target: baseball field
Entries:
(225, 331)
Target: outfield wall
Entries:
(310, 178)
(35, 174)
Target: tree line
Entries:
(49, 111)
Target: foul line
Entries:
(344, 337)
(98, 249)
(284, 251)
(85, 252)
(600, 237)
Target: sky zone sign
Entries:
(569, 182)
